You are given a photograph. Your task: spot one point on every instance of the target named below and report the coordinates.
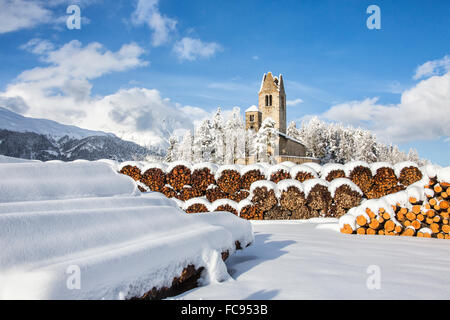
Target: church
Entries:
(272, 104)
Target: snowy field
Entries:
(312, 260)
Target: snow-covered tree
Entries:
(265, 142)
(203, 142)
(185, 148)
(234, 137)
(172, 150)
(218, 138)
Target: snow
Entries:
(261, 184)
(252, 108)
(283, 185)
(5, 159)
(317, 167)
(430, 170)
(303, 168)
(95, 222)
(122, 165)
(311, 260)
(336, 183)
(398, 167)
(349, 166)
(233, 167)
(172, 165)
(275, 168)
(377, 165)
(18, 123)
(154, 165)
(288, 164)
(208, 165)
(309, 184)
(222, 202)
(443, 175)
(242, 204)
(33, 181)
(192, 201)
(251, 167)
(327, 168)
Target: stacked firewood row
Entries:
(427, 216)
(184, 182)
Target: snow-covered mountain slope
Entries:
(15, 122)
(42, 139)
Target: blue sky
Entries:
(330, 60)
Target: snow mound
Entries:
(262, 183)
(350, 166)
(172, 165)
(398, 167)
(32, 181)
(155, 165)
(252, 167)
(223, 202)
(122, 165)
(377, 165)
(309, 184)
(327, 168)
(192, 201)
(288, 164)
(317, 167)
(303, 168)
(275, 168)
(83, 219)
(5, 159)
(208, 165)
(336, 183)
(284, 185)
(443, 175)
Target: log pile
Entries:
(225, 205)
(426, 216)
(249, 211)
(251, 176)
(319, 201)
(228, 208)
(344, 198)
(410, 175)
(132, 171)
(196, 208)
(362, 177)
(201, 179)
(292, 199)
(280, 174)
(178, 177)
(303, 173)
(155, 179)
(335, 174)
(277, 213)
(263, 196)
(214, 193)
(229, 181)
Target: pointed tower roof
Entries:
(268, 83)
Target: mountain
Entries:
(43, 139)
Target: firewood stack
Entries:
(178, 177)
(228, 208)
(303, 173)
(277, 213)
(262, 194)
(188, 192)
(229, 181)
(428, 217)
(278, 173)
(131, 171)
(346, 196)
(214, 193)
(168, 191)
(251, 212)
(362, 177)
(239, 196)
(155, 179)
(319, 198)
(251, 176)
(225, 205)
(292, 196)
(201, 179)
(196, 208)
(410, 175)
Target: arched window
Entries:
(267, 101)
(270, 100)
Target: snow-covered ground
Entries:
(312, 260)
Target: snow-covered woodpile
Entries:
(421, 210)
(282, 191)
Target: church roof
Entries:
(252, 109)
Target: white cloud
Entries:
(61, 91)
(295, 102)
(193, 49)
(432, 68)
(38, 46)
(422, 114)
(147, 12)
(21, 14)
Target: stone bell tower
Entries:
(272, 100)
